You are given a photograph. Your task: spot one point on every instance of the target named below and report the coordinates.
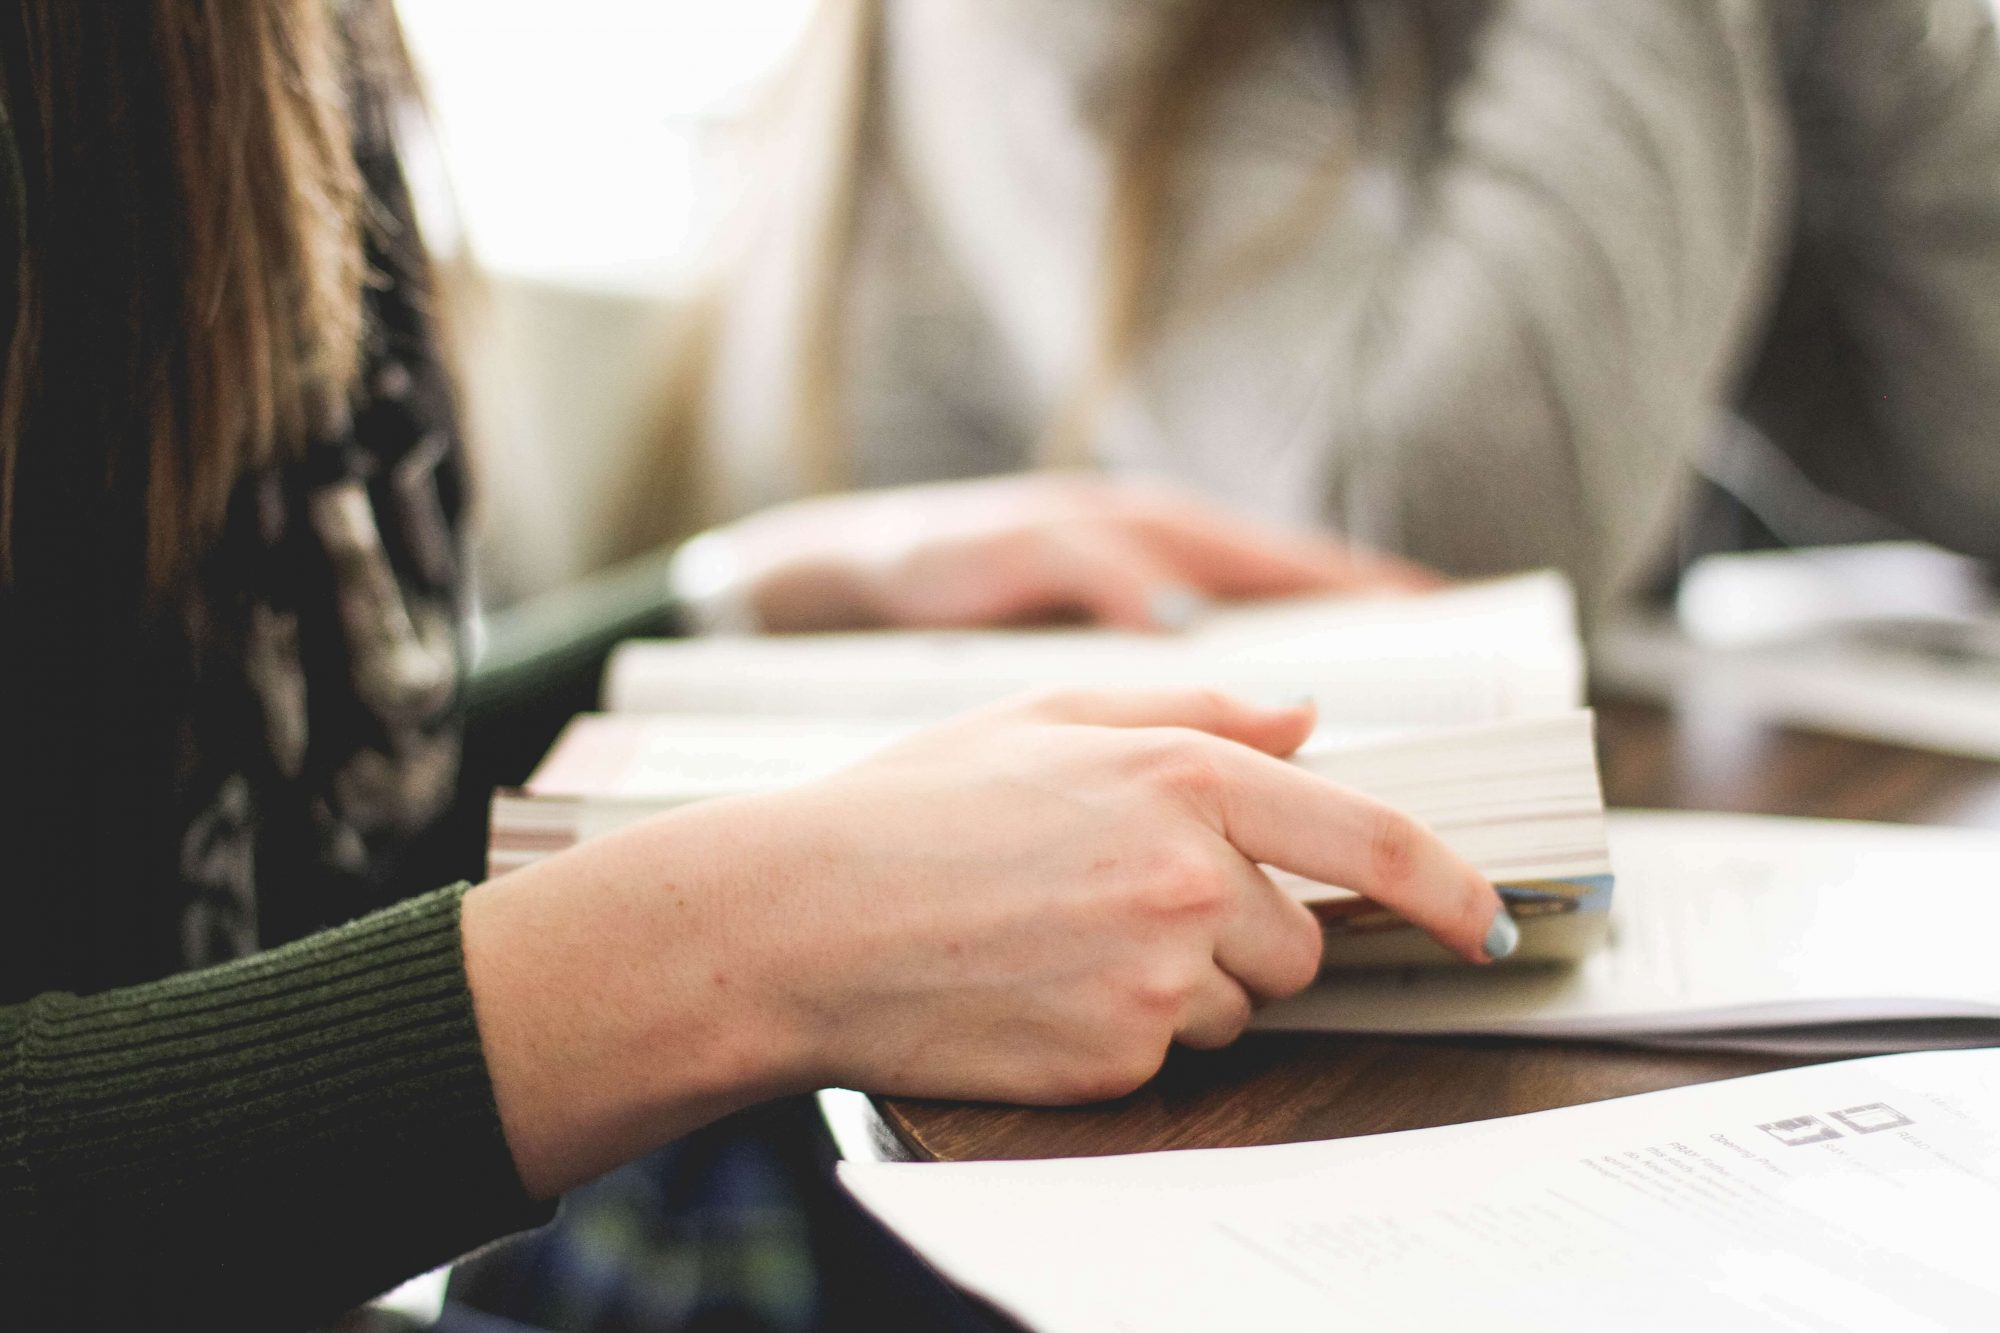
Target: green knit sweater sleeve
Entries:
(258, 1145)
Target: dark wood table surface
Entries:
(1286, 1087)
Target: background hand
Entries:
(1023, 549)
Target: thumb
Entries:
(1276, 729)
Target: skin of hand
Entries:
(1020, 549)
(1030, 904)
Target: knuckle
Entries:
(1181, 766)
(1298, 963)
(1395, 843)
(1155, 994)
(1102, 1084)
(1182, 882)
(1130, 1069)
(1224, 1026)
(1112, 1072)
(1212, 704)
(1237, 1018)
(1066, 704)
(1052, 703)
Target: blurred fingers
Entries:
(1052, 569)
(1229, 557)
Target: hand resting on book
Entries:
(1028, 904)
(1012, 550)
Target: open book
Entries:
(1474, 653)
(1746, 931)
(1857, 1197)
(1519, 799)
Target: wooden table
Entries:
(1285, 1087)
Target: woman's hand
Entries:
(1019, 549)
(1029, 904)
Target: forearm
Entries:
(622, 998)
(1537, 354)
(259, 1145)
(1881, 375)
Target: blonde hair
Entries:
(1196, 54)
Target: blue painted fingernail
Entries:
(1502, 936)
(1174, 606)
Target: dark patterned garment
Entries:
(271, 752)
(280, 749)
(330, 619)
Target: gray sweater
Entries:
(1501, 344)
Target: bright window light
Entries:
(585, 142)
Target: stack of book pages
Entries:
(1459, 707)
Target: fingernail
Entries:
(1502, 936)
(1174, 606)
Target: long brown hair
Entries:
(190, 265)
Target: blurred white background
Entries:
(588, 149)
(588, 142)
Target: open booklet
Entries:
(1519, 799)
(1472, 653)
(1854, 1196)
(1892, 641)
(1790, 935)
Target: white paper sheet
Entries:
(1858, 1196)
(1731, 921)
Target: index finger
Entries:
(1283, 816)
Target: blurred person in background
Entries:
(1475, 283)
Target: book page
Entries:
(680, 757)
(1728, 920)
(1855, 1196)
(1506, 648)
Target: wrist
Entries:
(615, 1010)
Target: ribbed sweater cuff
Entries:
(262, 1143)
